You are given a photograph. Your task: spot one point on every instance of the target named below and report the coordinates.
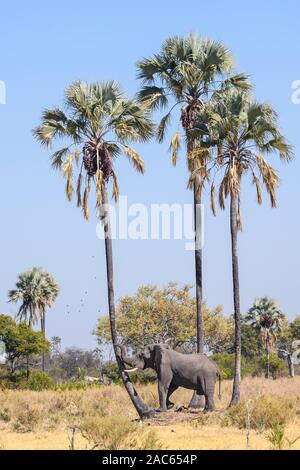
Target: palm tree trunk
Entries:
(142, 409)
(198, 263)
(236, 392)
(43, 329)
(267, 355)
(290, 366)
(198, 401)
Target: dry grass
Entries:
(41, 420)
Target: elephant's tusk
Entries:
(131, 370)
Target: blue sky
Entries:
(46, 46)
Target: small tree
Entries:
(295, 328)
(35, 291)
(165, 315)
(20, 342)
(266, 317)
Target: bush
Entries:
(225, 363)
(5, 415)
(39, 381)
(26, 419)
(117, 433)
(255, 366)
(111, 371)
(73, 384)
(277, 365)
(265, 413)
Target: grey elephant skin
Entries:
(174, 369)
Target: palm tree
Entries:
(266, 317)
(36, 290)
(186, 73)
(242, 131)
(99, 123)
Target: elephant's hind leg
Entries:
(198, 400)
(209, 399)
(171, 390)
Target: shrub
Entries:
(5, 415)
(26, 419)
(111, 371)
(266, 412)
(225, 363)
(39, 381)
(277, 365)
(255, 366)
(73, 384)
(117, 433)
(276, 436)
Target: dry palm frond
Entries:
(135, 158)
(191, 180)
(233, 181)
(174, 147)
(115, 187)
(99, 183)
(197, 186)
(238, 214)
(270, 178)
(212, 199)
(222, 195)
(220, 154)
(67, 172)
(78, 190)
(69, 189)
(198, 153)
(86, 200)
(124, 131)
(258, 189)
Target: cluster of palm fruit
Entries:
(188, 113)
(186, 118)
(91, 163)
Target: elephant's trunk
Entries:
(124, 357)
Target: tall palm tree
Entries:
(98, 124)
(266, 317)
(36, 290)
(242, 131)
(186, 73)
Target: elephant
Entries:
(174, 369)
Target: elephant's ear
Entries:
(158, 356)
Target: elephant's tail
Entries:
(220, 385)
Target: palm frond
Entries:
(212, 199)
(78, 190)
(153, 97)
(57, 157)
(174, 147)
(99, 186)
(258, 189)
(134, 158)
(115, 188)
(161, 130)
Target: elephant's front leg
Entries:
(164, 383)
